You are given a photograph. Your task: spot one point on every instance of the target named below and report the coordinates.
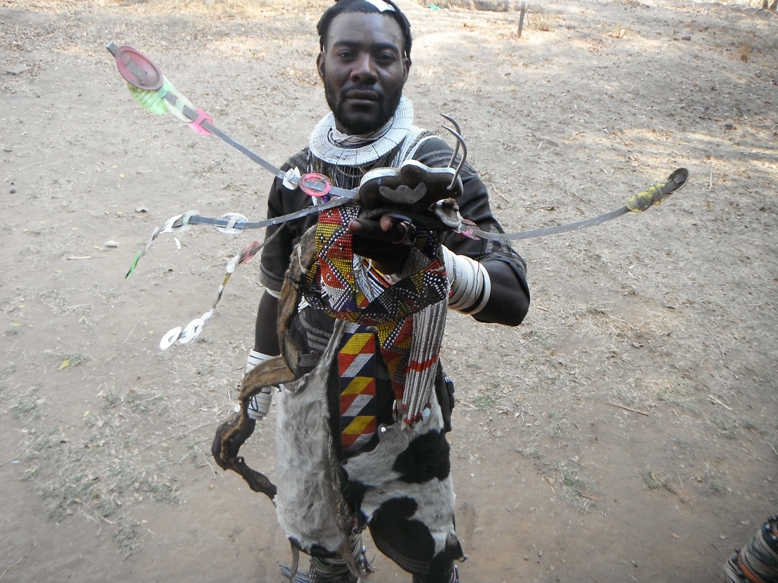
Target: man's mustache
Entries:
(362, 92)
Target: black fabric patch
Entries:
(407, 542)
(321, 552)
(444, 390)
(443, 563)
(354, 493)
(425, 458)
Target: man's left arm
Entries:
(488, 278)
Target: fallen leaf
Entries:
(65, 364)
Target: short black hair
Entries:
(366, 7)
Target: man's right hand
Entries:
(385, 241)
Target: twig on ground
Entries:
(667, 486)
(138, 322)
(723, 360)
(717, 402)
(205, 457)
(628, 409)
(710, 182)
(587, 496)
(12, 566)
(173, 436)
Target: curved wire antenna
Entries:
(460, 141)
(459, 131)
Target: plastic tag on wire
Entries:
(186, 334)
(138, 70)
(316, 185)
(232, 219)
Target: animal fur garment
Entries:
(309, 503)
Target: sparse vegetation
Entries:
(28, 405)
(539, 19)
(650, 480)
(654, 312)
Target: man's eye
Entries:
(345, 55)
(386, 59)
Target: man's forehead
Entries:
(365, 29)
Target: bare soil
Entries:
(626, 431)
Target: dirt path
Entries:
(626, 431)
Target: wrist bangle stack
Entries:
(470, 283)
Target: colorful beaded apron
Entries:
(384, 325)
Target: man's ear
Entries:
(320, 64)
(406, 68)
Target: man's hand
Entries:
(385, 241)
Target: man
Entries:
(392, 472)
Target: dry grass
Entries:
(620, 32)
(608, 337)
(744, 52)
(539, 19)
(235, 8)
(110, 466)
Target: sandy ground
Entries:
(626, 431)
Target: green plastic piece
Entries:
(138, 255)
(152, 101)
(658, 193)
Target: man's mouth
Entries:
(361, 96)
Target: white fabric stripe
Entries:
(357, 365)
(358, 404)
(382, 6)
(361, 440)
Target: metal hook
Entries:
(456, 125)
(460, 140)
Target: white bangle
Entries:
(254, 359)
(469, 282)
(259, 404)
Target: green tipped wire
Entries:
(138, 255)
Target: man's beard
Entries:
(357, 123)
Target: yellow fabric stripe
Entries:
(356, 386)
(356, 343)
(357, 426)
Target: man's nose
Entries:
(364, 69)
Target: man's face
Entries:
(363, 70)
